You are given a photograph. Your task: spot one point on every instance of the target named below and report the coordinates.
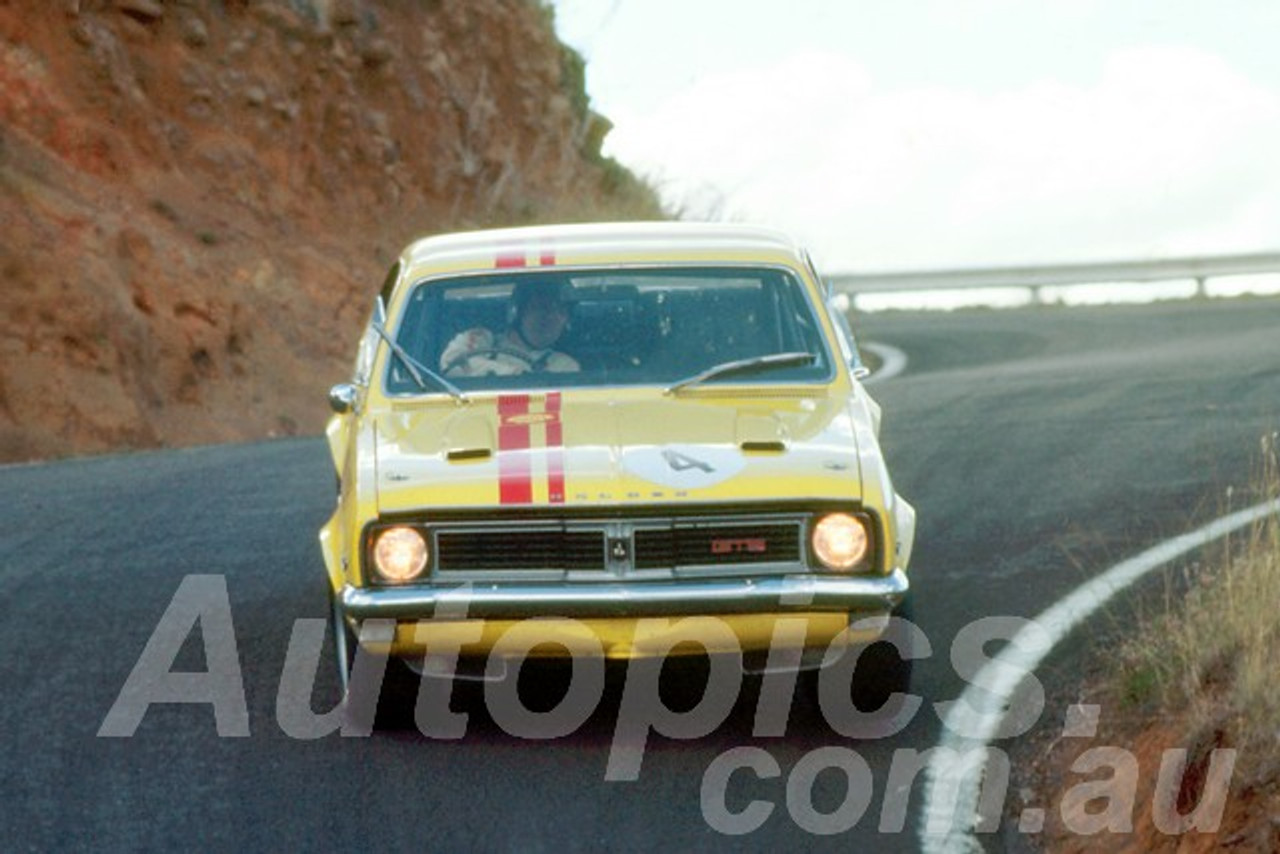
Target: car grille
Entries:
(620, 547)
(507, 550)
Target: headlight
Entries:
(399, 553)
(840, 541)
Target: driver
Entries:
(539, 317)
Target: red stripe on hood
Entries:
(515, 477)
(555, 450)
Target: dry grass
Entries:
(1212, 657)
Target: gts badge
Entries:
(739, 545)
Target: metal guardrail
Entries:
(1049, 275)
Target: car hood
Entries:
(552, 449)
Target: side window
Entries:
(389, 284)
(370, 339)
(365, 352)
(837, 307)
(844, 332)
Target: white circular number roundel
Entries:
(683, 466)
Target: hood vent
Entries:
(769, 446)
(462, 455)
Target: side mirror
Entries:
(342, 398)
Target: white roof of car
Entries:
(551, 245)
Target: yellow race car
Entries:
(616, 441)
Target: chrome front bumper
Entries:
(800, 593)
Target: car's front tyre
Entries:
(384, 697)
(867, 689)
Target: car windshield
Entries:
(674, 328)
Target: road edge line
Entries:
(953, 787)
(892, 361)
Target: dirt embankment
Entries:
(199, 199)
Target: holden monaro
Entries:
(619, 441)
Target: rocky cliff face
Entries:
(198, 200)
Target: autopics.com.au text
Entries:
(203, 601)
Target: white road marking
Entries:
(893, 361)
(952, 788)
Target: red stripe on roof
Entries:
(511, 258)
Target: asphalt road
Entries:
(1039, 447)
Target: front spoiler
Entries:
(800, 593)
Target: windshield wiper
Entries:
(740, 366)
(420, 372)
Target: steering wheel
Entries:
(492, 352)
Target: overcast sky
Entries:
(918, 134)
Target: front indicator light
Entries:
(400, 554)
(840, 541)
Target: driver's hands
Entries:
(475, 353)
(479, 353)
(488, 364)
(470, 341)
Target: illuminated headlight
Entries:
(840, 541)
(400, 554)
